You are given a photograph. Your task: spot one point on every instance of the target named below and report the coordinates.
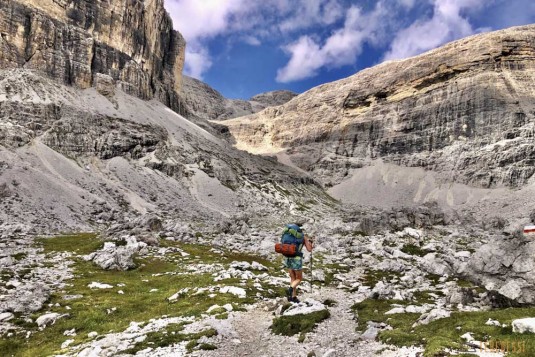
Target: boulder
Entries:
(306, 306)
(112, 257)
(506, 265)
(525, 325)
(432, 315)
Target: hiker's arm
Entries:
(308, 244)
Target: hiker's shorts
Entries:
(294, 263)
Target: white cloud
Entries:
(251, 40)
(199, 21)
(282, 21)
(407, 3)
(198, 61)
(251, 22)
(203, 19)
(308, 13)
(305, 61)
(341, 48)
(446, 24)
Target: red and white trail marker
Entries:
(529, 229)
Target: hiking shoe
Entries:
(296, 300)
(289, 293)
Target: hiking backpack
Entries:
(292, 237)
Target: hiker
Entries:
(291, 246)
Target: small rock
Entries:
(330, 353)
(97, 285)
(13, 283)
(66, 344)
(92, 334)
(47, 319)
(239, 292)
(432, 315)
(212, 308)
(318, 275)
(6, 316)
(492, 322)
(240, 265)
(467, 337)
(140, 339)
(396, 310)
(71, 332)
(304, 307)
(258, 266)
(370, 333)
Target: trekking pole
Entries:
(311, 265)
(311, 275)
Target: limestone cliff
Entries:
(205, 102)
(81, 144)
(465, 112)
(132, 41)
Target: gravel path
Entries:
(250, 335)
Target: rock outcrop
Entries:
(506, 264)
(74, 159)
(205, 102)
(74, 41)
(464, 112)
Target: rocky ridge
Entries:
(205, 102)
(460, 118)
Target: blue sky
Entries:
(245, 47)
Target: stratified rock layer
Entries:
(465, 111)
(73, 41)
(73, 159)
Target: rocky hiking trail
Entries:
(390, 294)
(335, 336)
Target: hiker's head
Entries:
(304, 222)
(300, 224)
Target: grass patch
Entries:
(81, 243)
(426, 297)
(19, 256)
(222, 316)
(434, 278)
(207, 347)
(372, 277)
(210, 257)
(374, 310)
(171, 336)
(330, 270)
(329, 302)
(468, 284)
(413, 249)
(438, 335)
(292, 325)
(146, 290)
